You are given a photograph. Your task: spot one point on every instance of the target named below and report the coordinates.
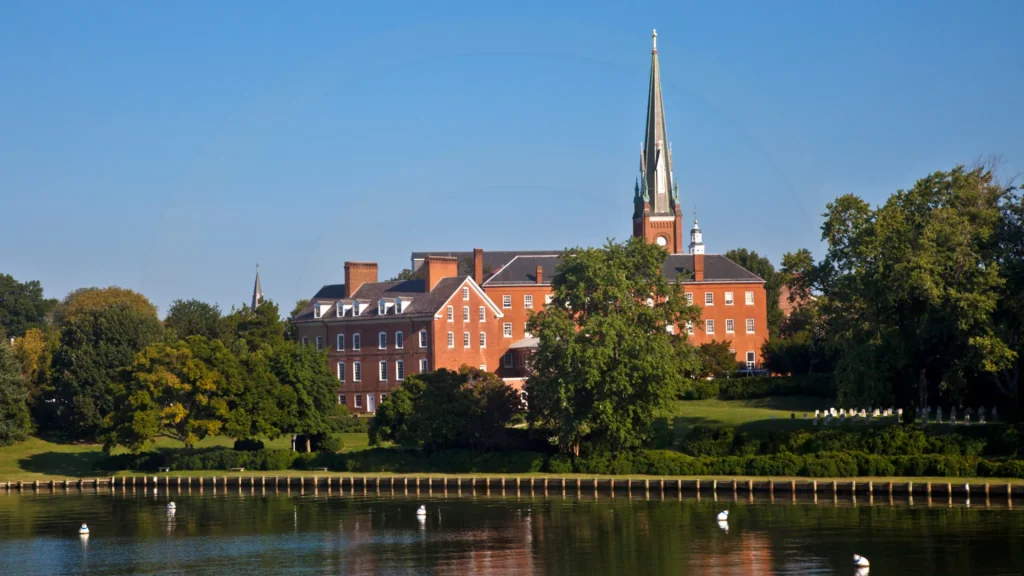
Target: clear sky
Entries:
(168, 147)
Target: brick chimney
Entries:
(357, 274)
(439, 267)
(698, 267)
(540, 275)
(478, 265)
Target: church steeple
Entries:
(257, 290)
(696, 237)
(655, 205)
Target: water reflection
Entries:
(330, 532)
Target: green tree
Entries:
(303, 371)
(251, 329)
(22, 306)
(192, 318)
(100, 335)
(406, 274)
(445, 409)
(15, 419)
(910, 288)
(606, 362)
(772, 283)
(262, 407)
(181, 391)
(716, 359)
(1008, 319)
(290, 331)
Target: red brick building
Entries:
(472, 308)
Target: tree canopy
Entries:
(193, 318)
(772, 283)
(15, 418)
(22, 306)
(606, 361)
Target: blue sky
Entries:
(169, 147)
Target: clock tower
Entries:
(656, 214)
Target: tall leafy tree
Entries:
(303, 370)
(101, 332)
(181, 391)
(716, 359)
(15, 419)
(910, 289)
(22, 306)
(254, 329)
(606, 361)
(772, 282)
(1008, 320)
(262, 407)
(193, 318)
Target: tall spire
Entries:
(656, 156)
(257, 290)
(696, 236)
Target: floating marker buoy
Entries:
(723, 515)
(860, 561)
(723, 525)
(84, 530)
(421, 511)
(171, 506)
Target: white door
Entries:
(370, 406)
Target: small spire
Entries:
(654, 40)
(257, 290)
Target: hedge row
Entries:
(817, 385)
(995, 440)
(652, 462)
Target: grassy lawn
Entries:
(37, 459)
(747, 415)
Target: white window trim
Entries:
(548, 298)
(400, 370)
(451, 340)
(709, 326)
(689, 328)
(729, 298)
(465, 292)
(382, 341)
(424, 339)
(340, 368)
(465, 313)
(751, 363)
(528, 301)
(506, 329)
(730, 326)
(357, 401)
(506, 301)
(399, 340)
(709, 296)
(483, 313)
(357, 342)
(748, 297)
(483, 339)
(467, 340)
(382, 371)
(451, 313)
(340, 342)
(319, 342)
(750, 325)
(689, 298)
(357, 372)
(424, 365)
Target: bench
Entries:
(238, 469)
(324, 469)
(163, 469)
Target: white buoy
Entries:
(860, 561)
(421, 511)
(171, 506)
(723, 525)
(84, 530)
(723, 515)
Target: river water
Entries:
(261, 532)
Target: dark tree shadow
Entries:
(62, 463)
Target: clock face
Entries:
(662, 241)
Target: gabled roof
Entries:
(717, 268)
(423, 303)
(523, 270)
(492, 260)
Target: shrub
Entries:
(248, 445)
(707, 441)
(702, 390)
(560, 464)
(817, 385)
(353, 423)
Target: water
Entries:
(249, 532)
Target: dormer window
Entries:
(340, 309)
(317, 312)
(400, 305)
(355, 308)
(384, 305)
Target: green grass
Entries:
(38, 459)
(747, 415)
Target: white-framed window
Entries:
(709, 298)
(750, 325)
(380, 308)
(506, 329)
(355, 341)
(424, 366)
(528, 301)
(399, 341)
(749, 296)
(709, 326)
(341, 371)
(465, 339)
(508, 359)
(751, 359)
(526, 330)
(382, 341)
(399, 372)
(451, 313)
(732, 351)
(358, 401)
(689, 298)
(319, 342)
(483, 313)
(317, 311)
(728, 298)
(356, 307)
(341, 399)
(689, 328)
(451, 339)
(671, 328)
(483, 339)
(483, 367)
(730, 326)
(357, 372)
(548, 298)
(383, 397)
(341, 342)
(305, 341)
(382, 370)
(506, 301)
(465, 313)
(465, 292)
(423, 339)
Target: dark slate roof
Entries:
(423, 303)
(717, 268)
(492, 260)
(523, 270)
